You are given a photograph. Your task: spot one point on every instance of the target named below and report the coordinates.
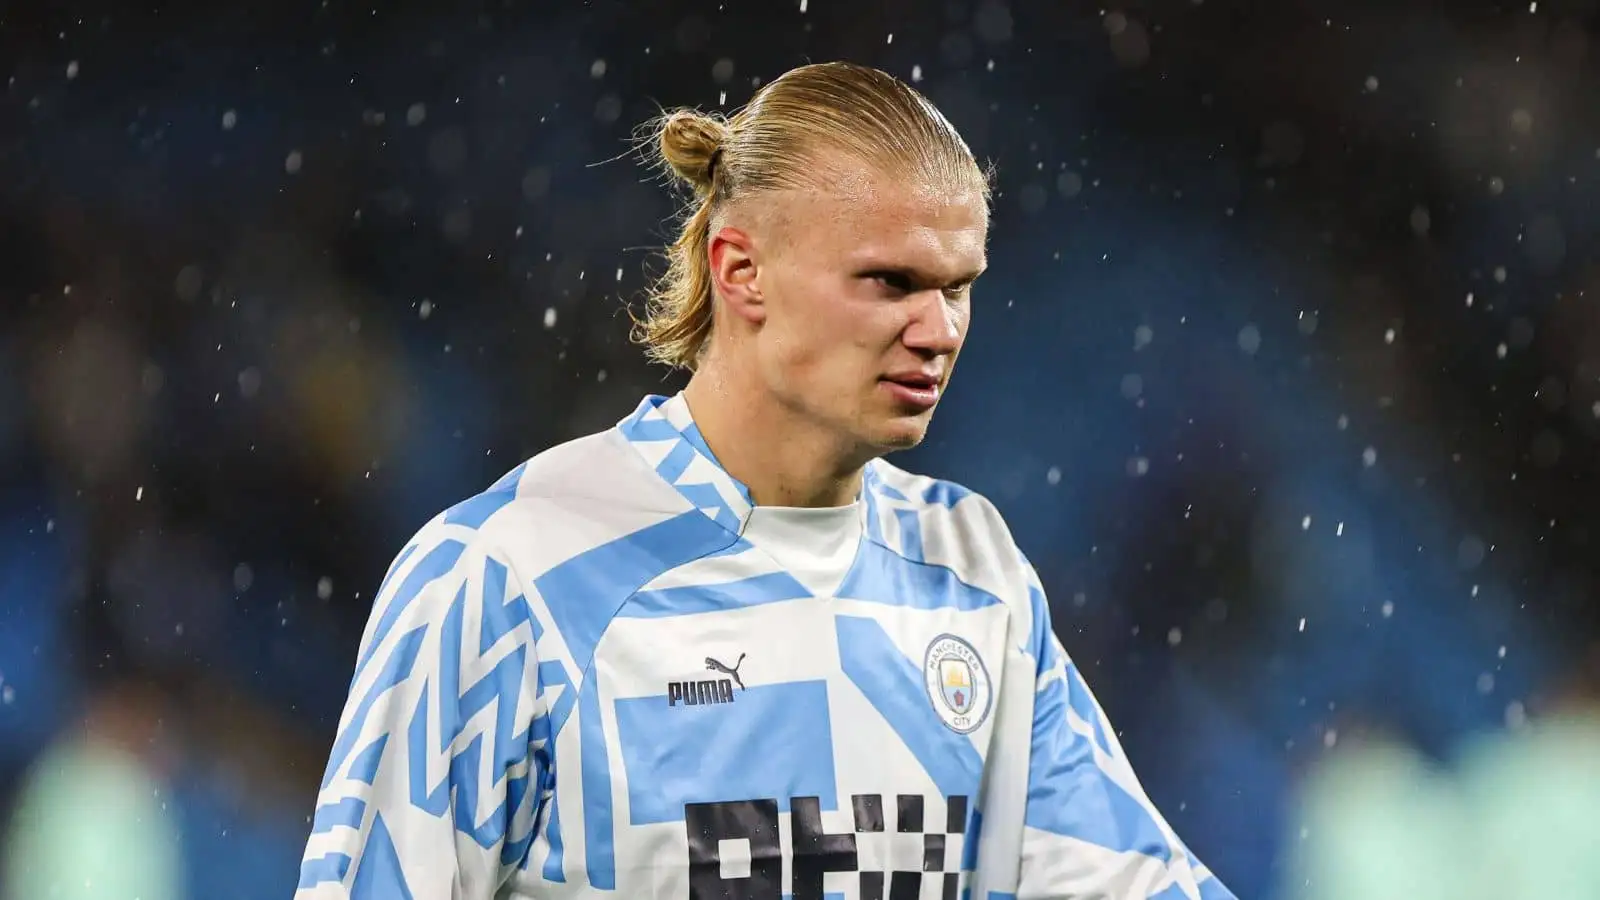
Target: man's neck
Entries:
(783, 461)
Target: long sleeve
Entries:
(1063, 799)
(433, 781)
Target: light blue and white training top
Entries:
(611, 676)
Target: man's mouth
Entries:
(914, 379)
(918, 390)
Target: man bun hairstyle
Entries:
(775, 142)
(689, 143)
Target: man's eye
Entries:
(894, 282)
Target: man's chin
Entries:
(901, 433)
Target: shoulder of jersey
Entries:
(943, 523)
(564, 501)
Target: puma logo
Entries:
(701, 692)
(714, 666)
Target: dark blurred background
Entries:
(1286, 374)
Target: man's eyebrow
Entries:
(918, 275)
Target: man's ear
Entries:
(733, 273)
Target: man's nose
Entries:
(936, 326)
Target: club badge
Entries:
(958, 683)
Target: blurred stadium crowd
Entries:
(1287, 375)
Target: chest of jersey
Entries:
(805, 747)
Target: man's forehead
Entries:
(880, 209)
(937, 231)
(868, 192)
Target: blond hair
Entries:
(773, 143)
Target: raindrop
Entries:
(293, 161)
(188, 283)
(249, 382)
(1371, 83)
(535, 183)
(416, 114)
(425, 309)
(324, 588)
(1421, 221)
(1174, 636)
(1369, 457)
(956, 49)
(152, 379)
(229, 119)
(550, 317)
(1132, 386)
(1053, 476)
(1131, 45)
(243, 577)
(457, 225)
(1033, 197)
(1520, 333)
(72, 70)
(1138, 466)
(1516, 715)
(1250, 339)
(447, 151)
(597, 69)
(993, 22)
(1142, 336)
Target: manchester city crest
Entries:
(958, 683)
